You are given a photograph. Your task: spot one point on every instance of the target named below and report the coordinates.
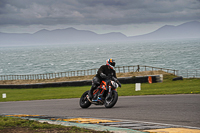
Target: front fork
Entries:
(109, 92)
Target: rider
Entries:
(102, 73)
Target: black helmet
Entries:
(111, 63)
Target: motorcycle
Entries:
(105, 94)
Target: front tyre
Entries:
(109, 103)
(84, 103)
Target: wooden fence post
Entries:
(138, 68)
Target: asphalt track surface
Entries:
(181, 110)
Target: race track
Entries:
(168, 109)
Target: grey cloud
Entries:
(107, 12)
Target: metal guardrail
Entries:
(120, 69)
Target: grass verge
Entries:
(9, 124)
(185, 86)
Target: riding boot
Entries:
(90, 94)
(95, 82)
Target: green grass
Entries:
(42, 93)
(9, 124)
(185, 86)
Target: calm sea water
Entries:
(173, 54)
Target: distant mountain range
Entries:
(183, 31)
(72, 35)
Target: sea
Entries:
(40, 59)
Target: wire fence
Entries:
(189, 73)
(120, 69)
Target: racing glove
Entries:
(103, 75)
(119, 84)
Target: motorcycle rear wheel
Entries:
(84, 103)
(113, 101)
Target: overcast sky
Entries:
(130, 17)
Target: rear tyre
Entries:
(109, 103)
(84, 103)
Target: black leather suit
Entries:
(104, 70)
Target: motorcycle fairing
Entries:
(103, 84)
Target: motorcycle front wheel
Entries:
(84, 103)
(109, 103)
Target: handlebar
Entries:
(117, 81)
(110, 77)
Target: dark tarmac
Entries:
(183, 110)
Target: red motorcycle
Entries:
(105, 94)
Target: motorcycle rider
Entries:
(102, 74)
